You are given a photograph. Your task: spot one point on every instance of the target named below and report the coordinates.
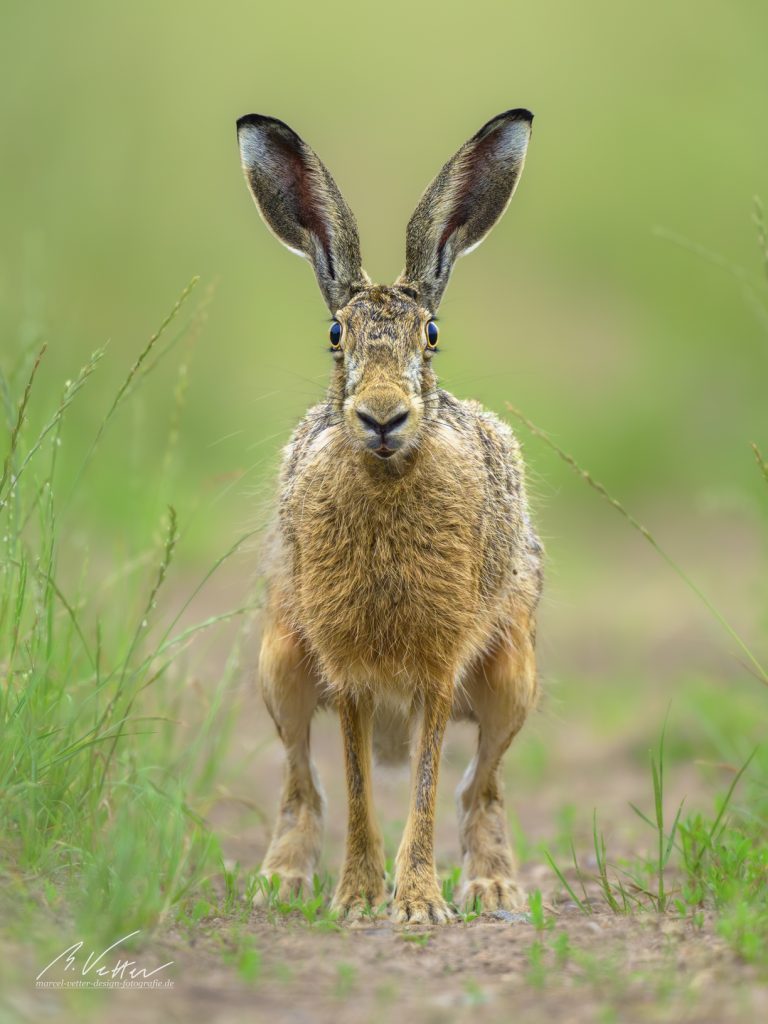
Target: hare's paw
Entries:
(356, 908)
(359, 896)
(424, 905)
(281, 886)
(492, 894)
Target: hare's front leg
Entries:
(500, 692)
(291, 694)
(361, 884)
(418, 897)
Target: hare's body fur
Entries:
(393, 577)
(402, 570)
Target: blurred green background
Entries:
(120, 180)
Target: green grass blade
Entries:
(584, 908)
(614, 503)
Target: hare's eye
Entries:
(432, 333)
(335, 334)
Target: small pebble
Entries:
(508, 916)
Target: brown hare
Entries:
(402, 570)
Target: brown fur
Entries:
(404, 587)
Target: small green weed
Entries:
(346, 978)
(540, 920)
(451, 884)
(536, 972)
(474, 995)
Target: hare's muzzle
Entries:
(382, 428)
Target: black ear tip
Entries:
(509, 116)
(253, 121)
(263, 121)
(518, 114)
(270, 126)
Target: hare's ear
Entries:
(301, 203)
(463, 203)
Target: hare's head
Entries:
(383, 338)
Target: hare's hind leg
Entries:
(500, 693)
(291, 694)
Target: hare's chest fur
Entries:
(396, 578)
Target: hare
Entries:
(403, 572)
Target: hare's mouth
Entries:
(383, 452)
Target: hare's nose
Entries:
(385, 426)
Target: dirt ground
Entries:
(616, 968)
(625, 970)
(587, 748)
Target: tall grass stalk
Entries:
(16, 428)
(722, 862)
(644, 532)
(758, 217)
(762, 464)
(130, 378)
(98, 782)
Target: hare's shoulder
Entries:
(470, 418)
(306, 436)
(495, 444)
(496, 450)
